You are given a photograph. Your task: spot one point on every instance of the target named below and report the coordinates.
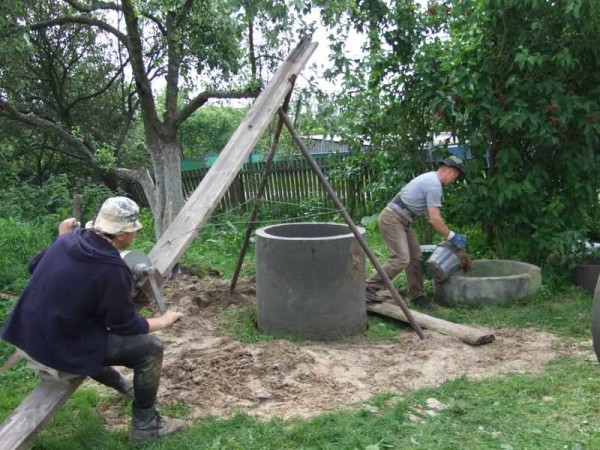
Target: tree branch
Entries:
(31, 119)
(183, 12)
(84, 21)
(97, 7)
(203, 97)
(142, 82)
(100, 91)
(141, 176)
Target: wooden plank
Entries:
(174, 241)
(294, 182)
(11, 361)
(287, 186)
(34, 412)
(305, 180)
(465, 333)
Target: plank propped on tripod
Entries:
(171, 245)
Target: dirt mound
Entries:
(213, 374)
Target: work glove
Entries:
(460, 240)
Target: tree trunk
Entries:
(165, 155)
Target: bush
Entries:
(32, 217)
(19, 242)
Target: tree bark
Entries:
(165, 156)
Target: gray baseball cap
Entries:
(455, 162)
(117, 215)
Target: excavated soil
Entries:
(211, 373)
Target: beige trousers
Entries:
(405, 253)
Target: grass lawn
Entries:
(556, 409)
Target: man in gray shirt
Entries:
(422, 194)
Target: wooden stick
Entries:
(333, 196)
(465, 333)
(78, 207)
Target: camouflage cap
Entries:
(456, 163)
(117, 215)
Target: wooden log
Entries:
(465, 333)
(34, 412)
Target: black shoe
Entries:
(372, 295)
(423, 302)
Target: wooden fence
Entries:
(291, 183)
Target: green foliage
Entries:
(32, 218)
(516, 82)
(381, 329)
(19, 242)
(216, 245)
(209, 130)
(105, 156)
(241, 325)
(519, 97)
(28, 202)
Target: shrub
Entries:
(19, 242)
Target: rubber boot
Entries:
(148, 424)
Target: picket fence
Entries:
(291, 184)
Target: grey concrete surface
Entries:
(491, 282)
(310, 281)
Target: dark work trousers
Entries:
(141, 352)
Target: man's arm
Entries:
(460, 240)
(437, 222)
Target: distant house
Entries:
(320, 145)
(190, 164)
(443, 145)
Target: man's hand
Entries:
(164, 321)
(171, 317)
(67, 225)
(460, 240)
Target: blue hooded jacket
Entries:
(80, 290)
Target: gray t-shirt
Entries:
(421, 193)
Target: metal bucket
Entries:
(443, 262)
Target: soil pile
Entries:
(213, 374)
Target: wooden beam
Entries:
(465, 333)
(34, 412)
(11, 361)
(171, 245)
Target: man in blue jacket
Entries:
(76, 314)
